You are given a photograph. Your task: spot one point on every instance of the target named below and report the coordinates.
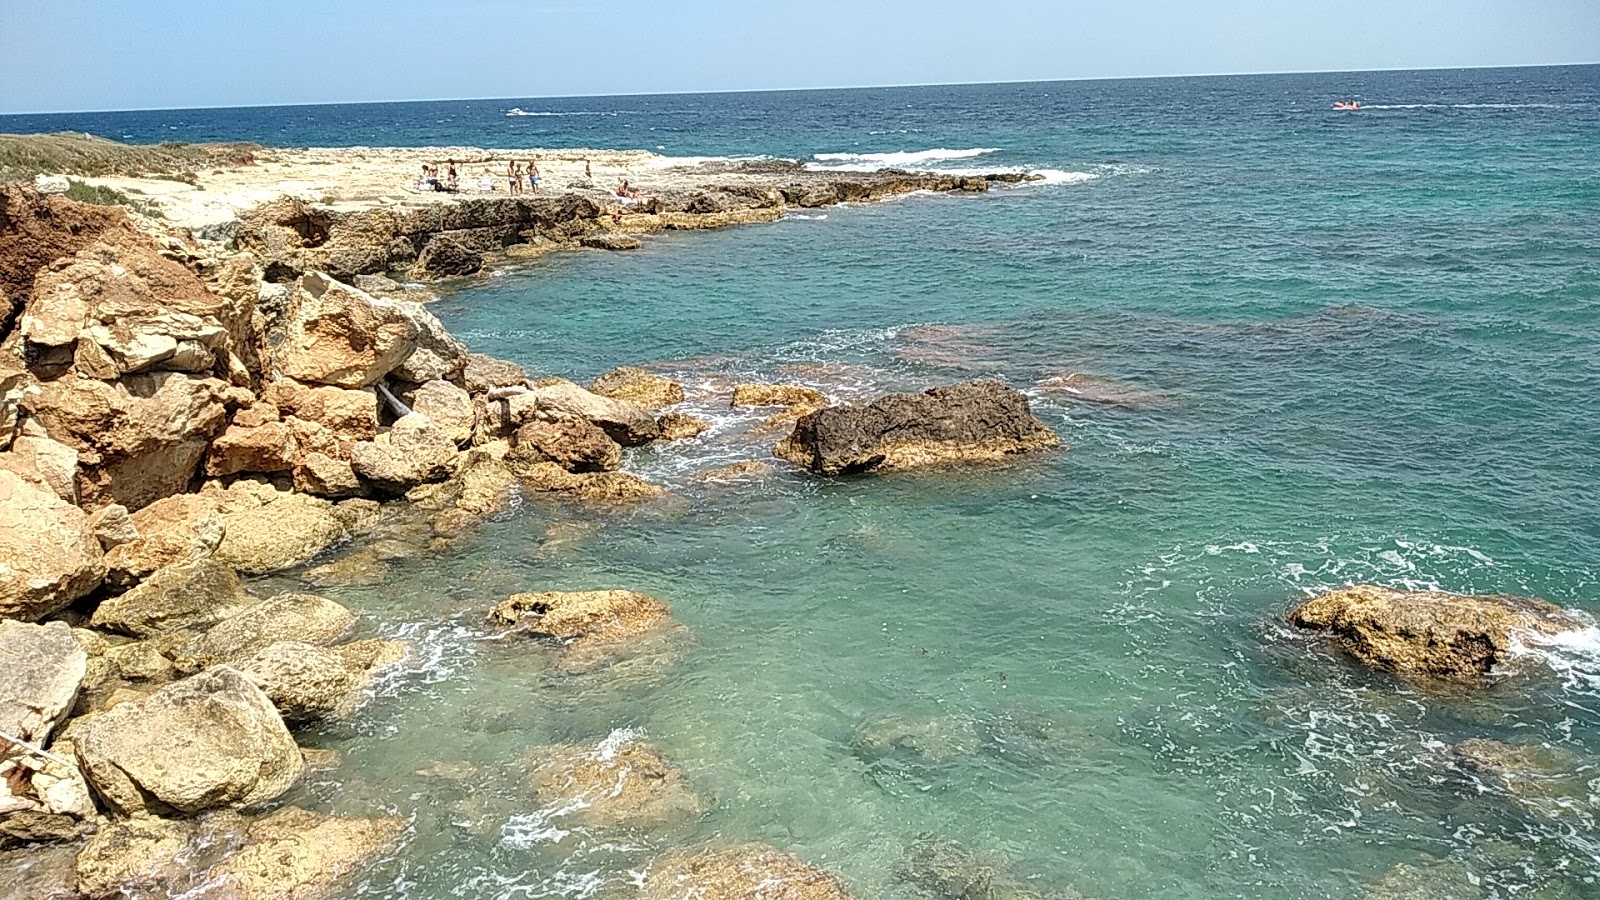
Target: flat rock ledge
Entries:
(1431, 634)
(974, 421)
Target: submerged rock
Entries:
(1544, 780)
(296, 854)
(943, 868)
(739, 471)
(39, 873)
(933, 739)
(1097, 389)
(638, 386)
(583, 619)
(1430, 633)
(778, 395)
(740, 872)
(676, 426)
(618, 783)
(212, 740)
(1426, 879)
(968, 422)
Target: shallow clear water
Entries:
(1363, 348)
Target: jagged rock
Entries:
(968, 422)
(584, 621)
(438, 355)
(14, 379)
(445, 258)
(211, 740)
(139, 438)
(620, 782)
(42, 800)
(324, 476)
(576, 445)
(607, 240)
(133, 857)
(285, 531)
(1430, 633)
(676, 426)
(448, 407)
(296, 854)
(740, 872)
(194, 594)
(49, 556)
(304, 681)
(286, 617)
(638, 386)
(777, 395)
(349, 414)
(414, 451)
(113, 526)
(601, 487)
(45, 462)
(171, 531)
(337, 335)
(629, 424)
(485, 373)
(140, 661)
(267, 448)
(42, 668)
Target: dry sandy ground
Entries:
(358, 177)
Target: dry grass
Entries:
(68, 153)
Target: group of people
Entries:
(430, 181)
(515, 173)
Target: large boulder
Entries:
(350, 414)
(438, 356)
(677, 426)
(270, 530)
(1430, 633)
(620, 782)
(448, 407)
(740, 872)
(269, 447)
(304, 681)
(169, 532)
(943, 867)
(445, 257)
(482, 373)
(49, 555)
(340, 336)
(211, 740)
(286, 617)
(629, 424)
(414, 451)
(194, 594)
(41, 669)
(139, 438)
(638, 386)
(296, 854)
(968, 422)
(44, 462)
(574, 444)
(135, 857)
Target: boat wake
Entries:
(869, 162)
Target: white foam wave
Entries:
(519, 112)
(1574, 655)
(904, 158)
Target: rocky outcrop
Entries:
(340, 336)
(446, 258)
(751, 394)
(629, 424)
(305, 682)
(413, 451)
(296, 854)
(620, 782)
(969, 422)
(676, 426)
(611, 241)
(576, 445)
(582, 618)
(211, 740)
(595, 487)
(49, 555)
(169, 532)
(286, 617)
(1430, 634)
(194, 594)
(743, 871)
(638, 386)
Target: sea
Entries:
(1288, 349)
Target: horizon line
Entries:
(783, 90)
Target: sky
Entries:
(70, 55)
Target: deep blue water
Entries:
(1363, 346)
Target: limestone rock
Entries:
(968, 422)
(619, 783)
(286, 617)
(932, 739)
(140, 661)
(599, 487)
(576, 445)
(414, 451)
(676, 426)
(448, 407)
(740, 872)
(44, 462)
(374, 654)
(943, 867)
(584, 620)
(211, 740)
(282, 533)
(41, 800)
(1429, 633)
(777, 395)
(296, 854)
(194, 594)
(445, 258)
(629, 424)
(324, 476)
(485, 373)
(739, 471)
(113, 526)
(304, 681)
(438, 354)
(41, 670)
(611, 241)
(638, 386)
(340, 336)
(486, 485)
(134, 857)
(171, 531)
(350, 414)
(270, 447)
(49, 556)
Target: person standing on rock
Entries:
(588, 175)
(514, 175)
(533, 174)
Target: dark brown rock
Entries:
(446, 258)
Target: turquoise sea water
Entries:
(1358, 348)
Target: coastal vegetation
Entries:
(23, 156)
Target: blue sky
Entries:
(131, 54)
